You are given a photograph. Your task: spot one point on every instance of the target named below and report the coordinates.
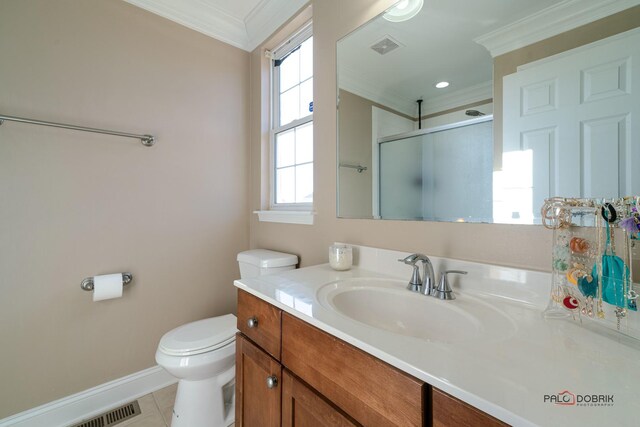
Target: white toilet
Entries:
(201, 354)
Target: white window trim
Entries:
(286, 216)
(288, 210)
(296, 38)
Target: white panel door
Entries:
(577, 115)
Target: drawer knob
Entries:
(272, 381)
(252, 322)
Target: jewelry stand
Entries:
(586, 237)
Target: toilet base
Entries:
(205, 403)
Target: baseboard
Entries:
(77, 407)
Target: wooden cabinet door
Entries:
(302, 407)
(372, 392)
(451, 412)
(257, 400)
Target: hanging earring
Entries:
(611, 215)
(600, 311)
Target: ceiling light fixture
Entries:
(403, 10)
(441, 85)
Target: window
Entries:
(292, 127)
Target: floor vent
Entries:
(113, 417)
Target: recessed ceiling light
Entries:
(441, 85)
(403, 10)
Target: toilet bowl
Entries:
(201, 354)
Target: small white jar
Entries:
(340, 257)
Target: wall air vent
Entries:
(386, 45)
(113, 417)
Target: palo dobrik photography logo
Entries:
(565, 398)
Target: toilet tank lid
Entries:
(265, 258)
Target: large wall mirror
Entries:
(476, 111)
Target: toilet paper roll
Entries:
(107, 286)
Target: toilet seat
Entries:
(199, 337)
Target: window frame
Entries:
(293, 42)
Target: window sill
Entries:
(286, 217)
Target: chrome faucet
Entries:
(426, 285)
(416, 284)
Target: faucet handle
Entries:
(444, 289)
(454, 271)
(410, 259)
(415, 284)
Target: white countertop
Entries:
(505, 377)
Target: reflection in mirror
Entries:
(432, 188)
(527, 113)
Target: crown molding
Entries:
(208, 19)
(201, 17)
(549, 22)
(267, 17)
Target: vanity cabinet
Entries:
(290, 373)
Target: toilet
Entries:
(201, 354)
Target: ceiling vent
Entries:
(386, 45)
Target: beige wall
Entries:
(76, 204)
(355, 132)
(501, 244)
(508, 63)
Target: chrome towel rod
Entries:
(359, 167)
(147, 140)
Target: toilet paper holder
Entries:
(87, 283)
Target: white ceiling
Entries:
(443, 43)
(241, 23)
(437, 45)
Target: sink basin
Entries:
(387, 305)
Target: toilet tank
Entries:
(258, 262)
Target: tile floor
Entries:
(156, 409)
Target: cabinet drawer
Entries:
(369, 390)
(451, 412)
(260, 321)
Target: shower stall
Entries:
(443, 173)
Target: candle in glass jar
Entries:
(340, 257)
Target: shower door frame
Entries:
(377, 142)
